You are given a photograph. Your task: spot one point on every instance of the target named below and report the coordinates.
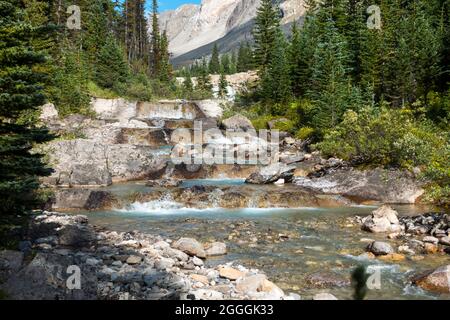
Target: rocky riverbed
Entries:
(122, 265)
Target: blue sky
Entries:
(173, 4)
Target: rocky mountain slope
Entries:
(193, 29)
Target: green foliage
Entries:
(21, 87)
(111, 67)
(223, 85)
(265, 33)
(383, 137)
(214, 63)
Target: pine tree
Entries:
(111, 66)
(275, 83)
(223, 85)
(21, 90)
(188, 86)
(225, 63)
(204, 79)
(166, 68)
(295, 62)
(267, 24)
(330, 82)
(214, 64)
(155, 42)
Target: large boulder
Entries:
(437, 280)
(191, 247)
(379, 248)
(388, 186)
(86, 199)
(238, 123)
(271, 174)
(82, 162)
(384, 219)
(113, 109)
(71, 231)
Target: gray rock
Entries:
(379, 248)
(45, 278)
(238, 123)
(271, 174)
(384, 219)
(445, 241)
(191, 247)
(70, 199)
(164, 263)
(197, 262)
(388, 186)
(430, 239)
(216, 249)
(76, 236)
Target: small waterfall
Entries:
(164, 204)
(214, 198)
(253, 202)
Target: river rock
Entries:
(231, 273)
(430, 239)
(324, 296)
(388, 186)
(437, 280)
(384, 219)
(379, 248)
(216, 249)
(323, 280)
(86, 199)
(271, 174)
(134, 259)
(200, 278)
(257, 286)
(191, 247)
(238, 123)
(445, 241)
(164, 263)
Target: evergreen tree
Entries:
(166, 67)
(111, 66)
(233, 63)
(225, 63)
(295, 61)
(223, 85)
(155, 42)
(267, 24)
(188, 86)
(21, 91)
(330, 83)
(275, 83)
(204, 79)
(214, 64)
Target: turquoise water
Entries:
(287, 244)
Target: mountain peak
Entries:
(192, 26)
